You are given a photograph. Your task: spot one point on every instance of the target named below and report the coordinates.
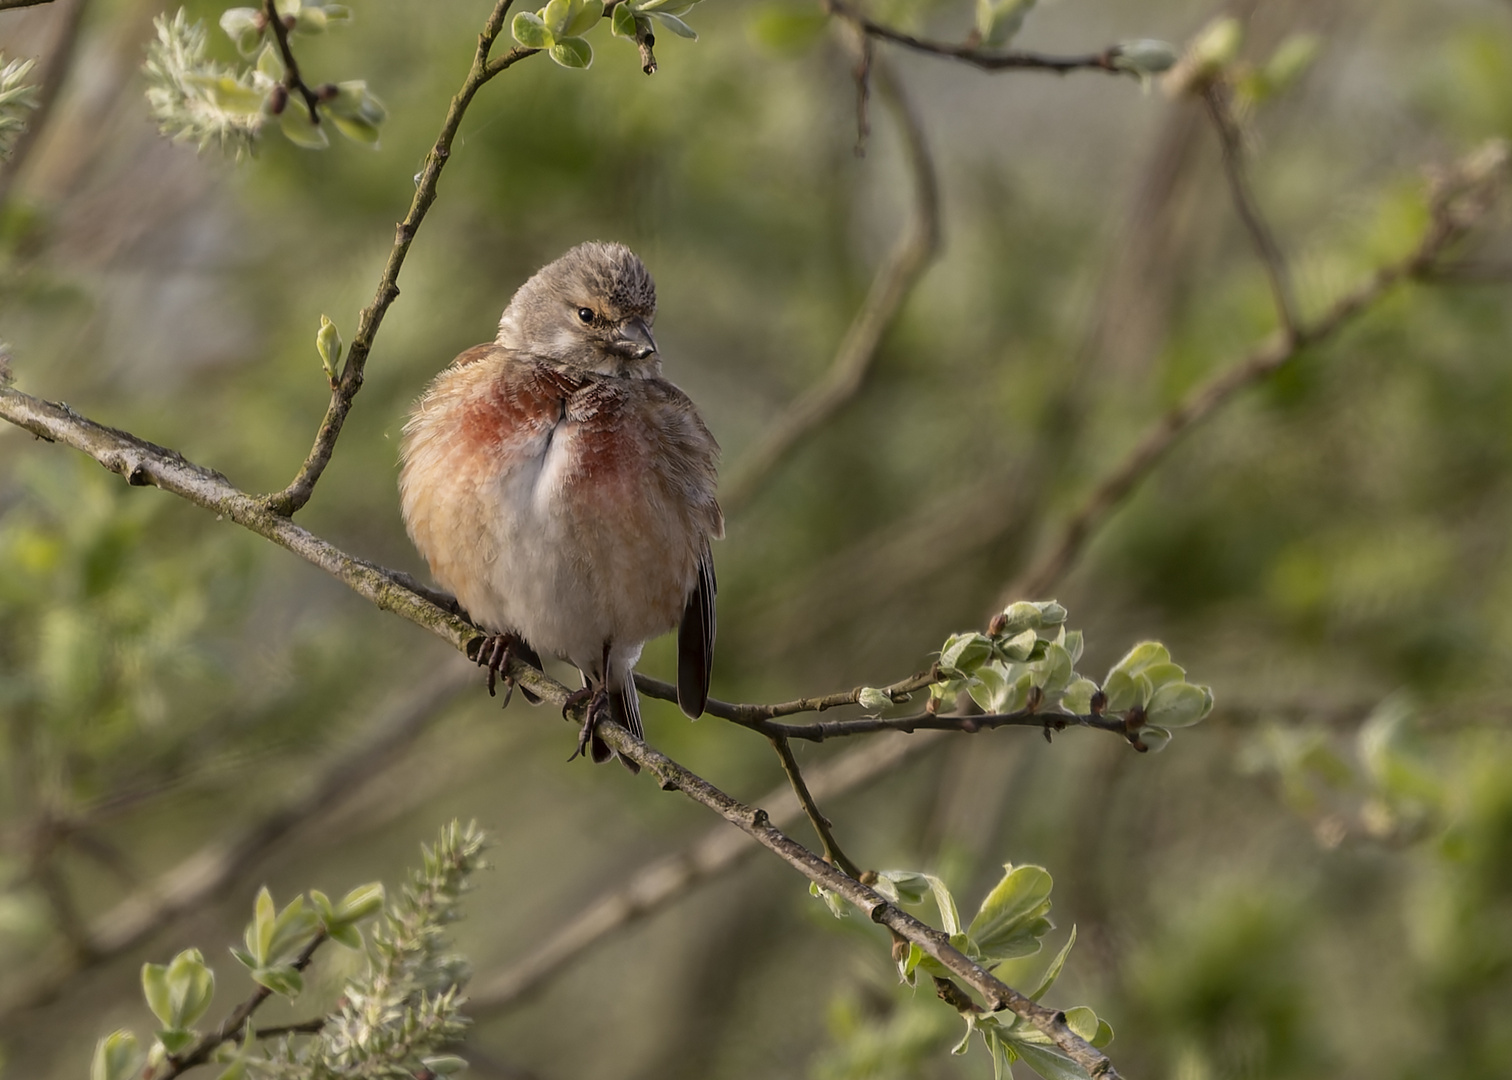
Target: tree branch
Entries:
(1458, 201)
(895, 280)
(822, 825)
(231, 1027)
(752, 716)
(970, 53)
(1215, 99)
(755, 823)
(671, 877)
(6, 5)
(288, 501)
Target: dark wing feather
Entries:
(695, 641)
(624, 709)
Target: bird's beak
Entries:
(635, 339)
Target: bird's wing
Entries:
(695, 640)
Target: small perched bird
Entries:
(564, 491)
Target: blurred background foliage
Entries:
(1316, 883)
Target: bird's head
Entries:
(591, 309)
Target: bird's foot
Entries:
(494, 654)
(598, 705)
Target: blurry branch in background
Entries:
(1139, 58)
(1215, 98)
(60, 60)
(914, 251)
(220, 864)
(670, 878)
(6, 5)
(345, 387)
(1458, 201)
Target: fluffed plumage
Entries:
(564, 491)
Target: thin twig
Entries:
(752, 716)
(212, 869)
(292, 80)
(914, 251)
(756, 823)
(1459, 203)
(986, 59)
(231, 1027)
(672, 877)
(822, 825)
(1215, 99)
(297, 494)
(6, 5)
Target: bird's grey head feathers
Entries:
(591, 309)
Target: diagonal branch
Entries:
(671, 877)
(344, 389)
(822, 825)
(1459, 201)
(914, 251)
(1215, 99)
(756, 823)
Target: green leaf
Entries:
(910, 885)
(116, 1057)
(269, 63)
(356, 130)
(280, 978)
(1047, 980)
(329, 345)
(1141, 656)
(242, 26)
(1154, 738)
(586, 19)
(530, 31)
(1073, 644)
(1082, 1020)
(1122, 690)
(361, 902)
(176, 1040)
(964, 653)
(997, 21)
(950, 919)
(1179, 705)
(1049, 1062)
(622, 22)
(572, 52)
(1012, 918)
(292, 930)
(558, 14)
(1078, 697)
(346, 934)
(676, 25)
(444, 1064)
(1056, 670)
(155, 989)
(243, 957)
(299, 129)
(191, 985)
(1162, 674)
(1020, 646)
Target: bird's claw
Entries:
(598, 701)
(494, 655)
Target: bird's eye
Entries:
(586, 314)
